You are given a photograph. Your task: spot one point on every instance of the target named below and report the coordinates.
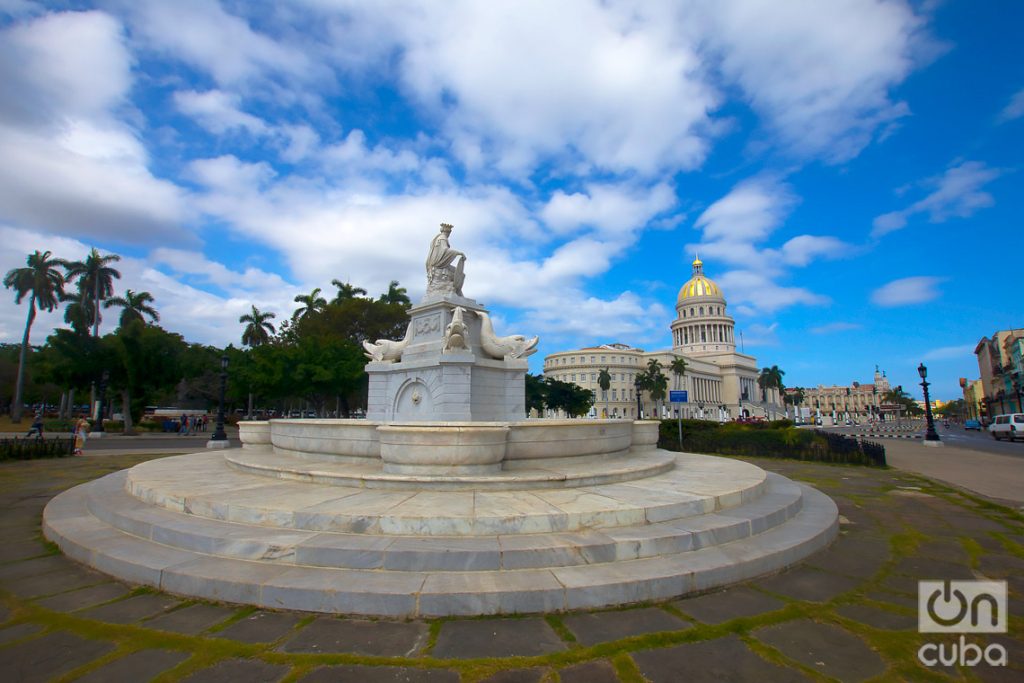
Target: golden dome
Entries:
(698, 286)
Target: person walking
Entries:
(37, 426)
(81, 435)
(183, 426)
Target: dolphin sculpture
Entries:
(387, 350)
(504, 348)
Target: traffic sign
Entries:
(677, 396)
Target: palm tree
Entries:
(136, 307)
(346, 291)
(395, 295)
(770, 378)
(604, 380)
(43, 284)
(678, 369)
(79, 311)
(258, 330)
(795, 399)
(642, 383)
(312, 304)
(96, 279)
(656, 383)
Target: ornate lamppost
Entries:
(930, 433)
(219, 438)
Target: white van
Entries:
(1008, 426)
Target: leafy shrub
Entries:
(778, 439)
(32, 448)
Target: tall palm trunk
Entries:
(19, 383)
(126, 411)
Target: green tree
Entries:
(346, 291)
(142, 361)
(642, 382)
(43, 283)
(312, 304)
(604, 380)
(678, 369)
(257, 330)
(395, 295)
(135, 306)
(568, 397)
(794, 398)
(79, 311)
(769, 378)
(95, 279)
(536, 394)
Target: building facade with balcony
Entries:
(1001, 372)
(721, 383)
(856, 401)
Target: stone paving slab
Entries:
(807, 583)
(67, 579)
(878, 618)
(18, 631)
(602, 627)
(85, 597)
(359, 636)
(826, 648)
(731, 603)
(49, 656)
(193, 619)
(262, 627)
(132, 609)
(380, 674)
(722, 659)
(599, 671)
(240, 671)
(496, 638)
(516, 676)
(143, 665)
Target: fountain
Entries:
(446, 500)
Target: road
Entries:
(114, 444)
(957, 437)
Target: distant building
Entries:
(974, 397)
(721, 384)
(840, 403)
(1001, 371)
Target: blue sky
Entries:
(848, 171)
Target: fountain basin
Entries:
(442, 449)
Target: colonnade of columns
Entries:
(703, 333)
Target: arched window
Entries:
(701, 310)
(691, 311)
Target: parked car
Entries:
(972, 424)
(1010, 426)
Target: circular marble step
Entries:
(202, 484)
(68, 522)
(107, 501)
(369, 472)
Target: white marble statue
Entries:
(387, 350)
(445, 265)
(456, 334)
(504, 348)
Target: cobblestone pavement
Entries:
(847, 614)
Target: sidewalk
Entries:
(1000, 477)
(847, 614)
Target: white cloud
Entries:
(205, 36)
(951, 352)
(218, 111)
(760, 335)
(760, 292)
(803, 249)
(831, 328)
(907, 291)
(69, 164)
(1014, 108)
(595, 320)
(958, 193)
(615, 211)
(819, 72)
(749, 213)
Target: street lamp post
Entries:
(929, 434)
(220, 438)
(101, 399)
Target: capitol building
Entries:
(721, 383)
